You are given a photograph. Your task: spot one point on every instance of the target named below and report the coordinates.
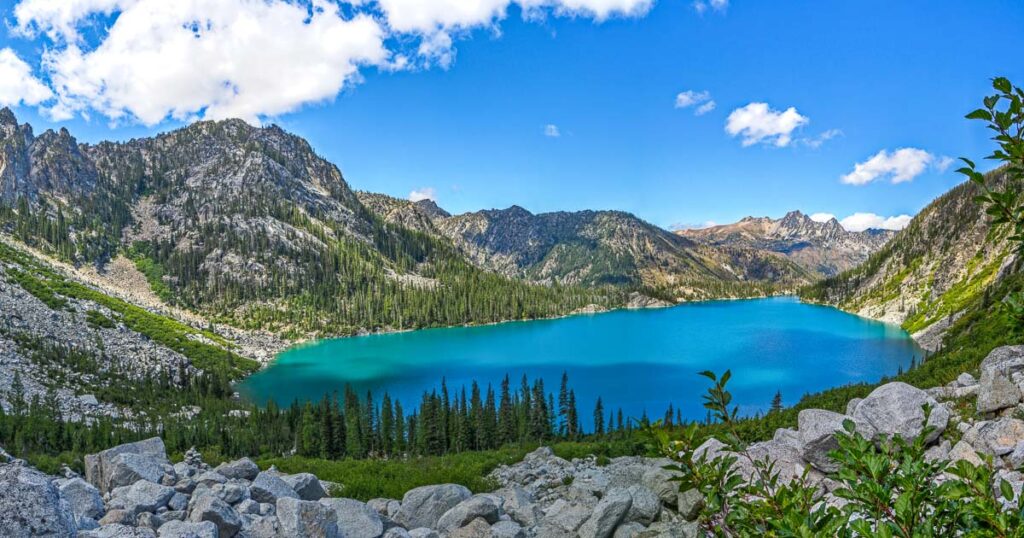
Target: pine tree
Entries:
(598, 418)
(387, 434)
(572, 418)
(563, 405)
(776, 402)
(506, 415)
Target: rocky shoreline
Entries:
(133, 490)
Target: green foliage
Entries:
(98, 320)
(889, 487)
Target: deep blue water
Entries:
(637, 360)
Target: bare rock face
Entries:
(30, 504)
(997, 390)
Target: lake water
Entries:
(637, 360)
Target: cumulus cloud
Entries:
(17, 83)
(822, 217)
(148, 60)
(551, 130)
(858, 222)
(758, 123)
(426, 193)
(901, 165)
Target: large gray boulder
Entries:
(563, 519)
(520, 506)
(30, 504)
(83, 497)
(268, 488)
(460, 515)
(126, 464)
(817, 429)
(244, 469)
(306, 519)
(507, 529)
(646, 505)
(188, 529)
(660, 481)
(896, 409)
(142, 496)
(306, 485)
(999, 437)
(355, 519)
(607, 515)
(424, 506)
(996, 389)
(478, 528)
(218, 512)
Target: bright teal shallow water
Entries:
(637, 360)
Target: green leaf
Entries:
(1006, 489)
(1002, 84)
(980, 114)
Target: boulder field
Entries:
(133, 490)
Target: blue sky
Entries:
(461, 107)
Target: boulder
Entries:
(664, 529)
(306, 485)
(423, 532)
(631, 529)
(211, 478)
(261, 526)
(424, 506)
(126, 464)
(306, 519)
(999, 437)
(83, 497)
(963, 451)
(243, 469)
(788, 437)
(607, 515)
(710, 449)
(563, 519)
(220, 513)
(188, 529)
(660, 481)
(966, 380)
(896, 409)
(355, 519)
(460, 515)
(996, 389)
(397, 532)
(519, 505)
(478, 528)
(788, 462)
(31, 505)
(817, 437)
(142, 496)
(1016, 457)
(269, 488)
(645, 507)
(230, 493)
(507, 529)
(691, 502)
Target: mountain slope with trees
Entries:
(925, 277)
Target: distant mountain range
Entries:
(249, 226)
(822, 248)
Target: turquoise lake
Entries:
(640, 360)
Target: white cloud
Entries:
(901, 165)
(690, 98)
(943, 163)
(551, 130)
(704, 108)
(822, 217)
(692, 226)
(817, 141)
(215, 59)
(17, 83)
(858, 222)
(701, 100)
(757, 123)
(189, 59)
(426, 193)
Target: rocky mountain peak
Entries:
(7, 117)
(432, 210)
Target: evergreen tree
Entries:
(776, 402)
(598, 418)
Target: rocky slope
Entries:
(134, 490)
(822, 248)
(926, 275)
(593, 248)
